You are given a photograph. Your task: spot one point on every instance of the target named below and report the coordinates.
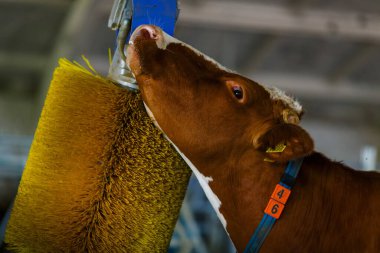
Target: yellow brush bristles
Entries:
(99, 177)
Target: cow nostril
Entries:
(148, 33)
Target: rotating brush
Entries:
(100, 177)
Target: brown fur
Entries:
(332, 208)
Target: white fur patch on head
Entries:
(277, 94)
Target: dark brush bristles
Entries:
(99, 177)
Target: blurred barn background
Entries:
(324, 52)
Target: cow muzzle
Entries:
(142, 36)
(149, 32)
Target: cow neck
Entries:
(202, 179)
(275, 206)
(224, 186)
(242, 174)
(243, 186)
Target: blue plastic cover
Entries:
(162, 13)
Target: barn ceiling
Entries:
(325, 52)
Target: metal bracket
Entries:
(120, 21)
(126, 16)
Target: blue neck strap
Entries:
(267, 222)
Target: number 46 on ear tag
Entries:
(277, 202)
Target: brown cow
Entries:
(224, 123)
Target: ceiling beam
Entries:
(299, 4)
(358, 58)
(315, 88)
(247, 16)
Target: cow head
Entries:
(207, 110)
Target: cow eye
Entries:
(238, 92)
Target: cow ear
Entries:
(285, 142)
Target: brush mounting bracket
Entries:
(126, 16)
